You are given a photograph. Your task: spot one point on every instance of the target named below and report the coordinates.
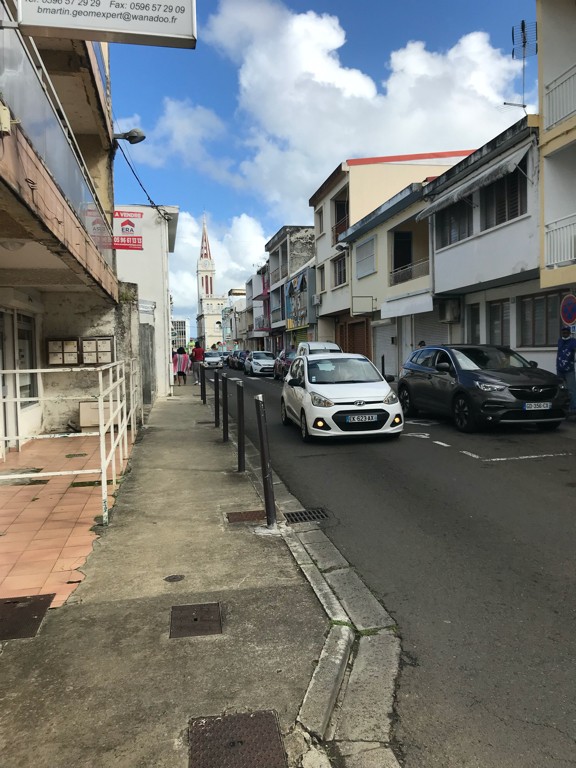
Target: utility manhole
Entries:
(21, 616)
(246, 517)
(245, 740)
(195, 620)
(307, 515)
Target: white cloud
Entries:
(236, 247)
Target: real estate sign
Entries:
(128, 230)
(170, 23)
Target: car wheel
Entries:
(548, 426)
(463, 415)
(406, 402)
(283, 415)
(304, 434)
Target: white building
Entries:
(210, 306)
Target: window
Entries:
(540, 320)
(366, 258)
(339, 273)
(402, 256)
(504, 199)
(499, 322)
(319, 215)
(321, 279)
(473, 325)
(454, 223)
(27, 358)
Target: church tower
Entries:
(206, 270)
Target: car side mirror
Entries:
(389, 378)
(443, 367)
(294, 382)
(533, 364)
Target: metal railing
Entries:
(560, 241)
(338, 228)
(116, 391)
(410, 272)
(560, 98)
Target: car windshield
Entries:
(212, 354)
(347, 370)
(263, 356)
(489, 358)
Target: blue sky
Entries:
(246, 127)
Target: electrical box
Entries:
(5, 124)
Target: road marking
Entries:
(444, 445)
(473, 455)
(536, 456)
(422, 422)
(423, 435)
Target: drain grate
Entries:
(307, 515)
(195, 620)
(21, 616)
(245, 740)
(245, 517)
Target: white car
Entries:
(212, 359)
(259, 363)
(339, 395)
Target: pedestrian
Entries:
(180, 365)
(422, 343)
(565, 363)
(197, 357)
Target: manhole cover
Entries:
(195, 620)
(306, 515)
(21, 616)
(246, 740)
(244, 517)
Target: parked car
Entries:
(242, 355)
(316, 347)
(339, 395)
(283, 362)
(259, 363)
(479, 384)
(212, 359)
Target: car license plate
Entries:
(361, 417)
(537, 406)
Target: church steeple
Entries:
(206, 270)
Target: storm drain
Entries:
(306, 515)
(195, 620)
(246, 517)
(21, 616)
(245, 740)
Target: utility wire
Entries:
(166, 216)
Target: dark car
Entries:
(233, 359)
(479, 384)
(282, 363)
(242, 355)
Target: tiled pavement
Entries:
(45, 531)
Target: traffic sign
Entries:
(568, 309)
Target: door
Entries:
(442, 385)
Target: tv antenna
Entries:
(524, 44)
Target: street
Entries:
(468, 542)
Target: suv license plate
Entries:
(361, 417)
(537, 406)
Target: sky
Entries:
(243, 129)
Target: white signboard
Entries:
(170, 23)
(128, 230)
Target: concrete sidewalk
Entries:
(104, 684)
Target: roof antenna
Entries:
(524, 43)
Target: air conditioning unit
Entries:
(449, 311)
(316, 300)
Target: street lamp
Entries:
(133, 136)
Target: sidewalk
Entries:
(103, 684)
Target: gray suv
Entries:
(480, 384)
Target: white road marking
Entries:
(444, 445)
(422, 422)
(423, 435)
(536, 456)
(473, 455)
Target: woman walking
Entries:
(180, 365)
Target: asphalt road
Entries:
(469, 542)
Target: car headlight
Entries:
(391, 398)
(320, 402)
(495, 386)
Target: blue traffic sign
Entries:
(568, 309)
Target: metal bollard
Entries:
(269, 502)
(203, 383)
(224, 408)
(240, 419)
(216, 399)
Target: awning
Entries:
(496, 171)
(407, 305)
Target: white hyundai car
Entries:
(339, 395)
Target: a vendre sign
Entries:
(170, 23)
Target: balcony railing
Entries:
(262, 323)
(560, 241)
(338, 228)
(276, 315)
(560, 98)
(411, 272)
(35, 106)
(274, 276)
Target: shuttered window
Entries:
(454, 223)
(504, 199)
(499, 322)
(339, 270)
(366, 258)
(540, 320)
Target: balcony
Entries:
(560, 242)
(338, 228)
(560, 98)
(276, 315)
(262, 323)
(410, 272)
(40, 132)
